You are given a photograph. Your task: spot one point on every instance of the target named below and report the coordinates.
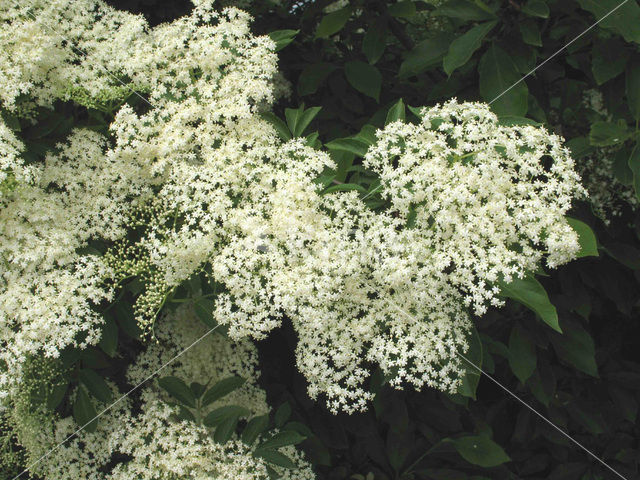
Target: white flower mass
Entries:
(207, 186)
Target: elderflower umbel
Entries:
(488, 200)
(149, 441)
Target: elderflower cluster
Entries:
(13, 172)
(207, 361)
(180, 157)
(351, 290)
(471, 204)
(149, 442)
(200, 182)
(94, 54)
(488, 201)
(48, 288)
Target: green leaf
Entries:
(185, 414)
(374, 42)
(425, 54)
(299, 427)
(351, 145)
(366, 135)
(276, 458)
(281, 439)
(282, 414)
(536, 8)
(222, 388)
(84, 411)
(344, 161)
(522, 353)
(255, 427)
(299, 119)
(509, 120)
(313, 140)
(178, 390)
(480, 450)
(464, 10)
(197, 388)
(273, 474)
(530, 32)
(56, 395)
(417, 111)
(204, 308)
(318, 453)
(462, 48)
(543, 383)
(95, 384)
(620, 167)
(109, 339)
(498, 77)
(396, 112)
(586, 238)
(225, 429)
(625, 254)
(312, 76)
(333, 22)
(608, 59)
(576, 347)
(471, 377)
(281, 128)
(364, 77)
(624, 20)
(283, 38)
(604, 134)
(634, 165)
(632, 81)
(579, 146)
(219, 415)
(403, 9)
(123, 313)
(94, 358)
(529, 292)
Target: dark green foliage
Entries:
(178, 390)
(84, 411)
(222, 388)
(529, 292)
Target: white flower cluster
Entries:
(487, 202)
(149, 442)
(357, 298)
(94, 54)
(12, 168)
(47, 287)
(201, 183)
(208, 361)
(471, 203)
(186, 155)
